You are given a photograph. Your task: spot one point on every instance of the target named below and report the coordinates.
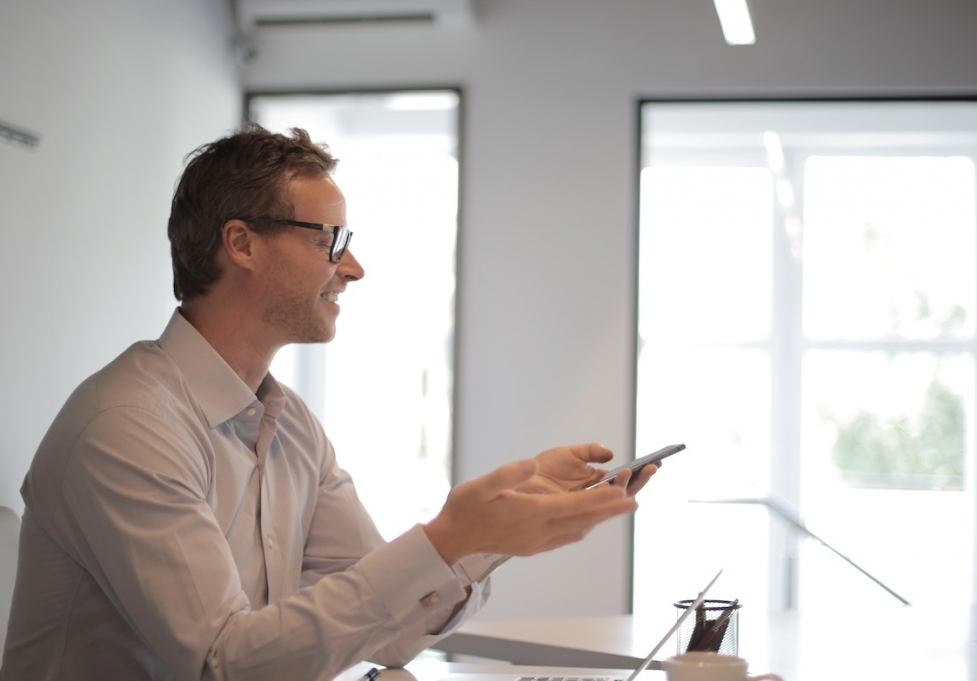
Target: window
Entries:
(383, 387)
(807, 307)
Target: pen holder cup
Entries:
(699, 630)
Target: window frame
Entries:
(787, 344)
(311, 360)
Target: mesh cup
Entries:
(725, 641)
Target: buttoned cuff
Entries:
(410, 578)
(476, 600)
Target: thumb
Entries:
(595, 452)
(510, 475)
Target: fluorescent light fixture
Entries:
(734, 17)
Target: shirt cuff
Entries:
(476, 600)
(477, 567)
(410, 578)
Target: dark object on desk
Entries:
(712, 635)
(715, 627)
(371, 675)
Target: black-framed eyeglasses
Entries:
(341, 235)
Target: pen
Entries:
(718, 628)
(371, 675)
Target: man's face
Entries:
(303, 284)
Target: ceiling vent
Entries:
(258, 14)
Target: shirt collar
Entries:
(218, 390)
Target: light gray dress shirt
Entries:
(179, 527)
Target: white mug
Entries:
(704, 666)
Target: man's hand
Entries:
(491, 514)
(564, 469)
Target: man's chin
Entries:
(323, 335)
(311, 336)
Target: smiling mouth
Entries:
(331, 297)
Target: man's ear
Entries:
(238, 242)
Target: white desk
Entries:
(889, 644)
(434, 670)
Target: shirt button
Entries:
(431, 600)
(271, 542)
(252, 411)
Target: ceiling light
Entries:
(734, 17)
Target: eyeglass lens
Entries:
(340, 241)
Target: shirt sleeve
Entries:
(477, 567)
(342, 533)
(414, 640)
(133, 510)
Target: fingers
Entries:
(590, 452)
(508, 476)
(582, 523)
(571, 524)
(586, 507)
(638, 481)
(513, 523)
(490, 515)
(594, 452)
(583, 500)
(632, 481)
(623, 478)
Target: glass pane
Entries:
(897, 422)
(679, 390)
(889, 247)
(705, 265)
(717, 402)
(853, 266)
(386, 390)
(883, 465)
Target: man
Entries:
(185, 514)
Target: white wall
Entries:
(549, 148)
(118, 91)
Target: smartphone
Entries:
(638, 464)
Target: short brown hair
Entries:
(242, 175)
